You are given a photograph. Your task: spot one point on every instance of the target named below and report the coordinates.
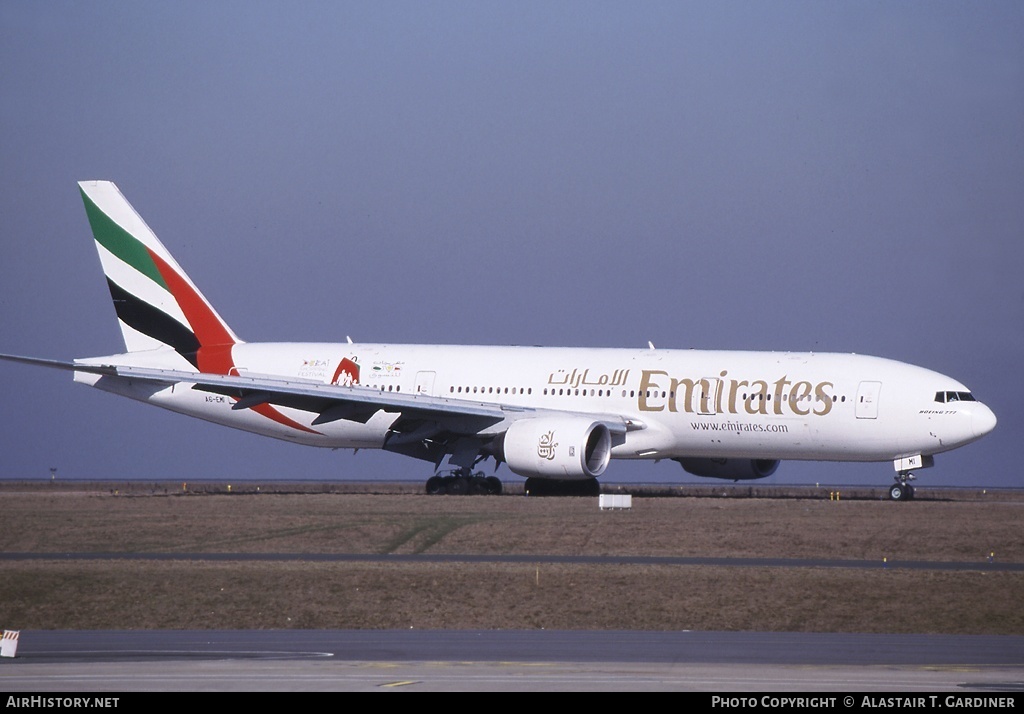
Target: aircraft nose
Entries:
(983, 420)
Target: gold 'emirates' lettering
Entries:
(718, 395)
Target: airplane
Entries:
(556, 416)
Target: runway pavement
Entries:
(534, 660)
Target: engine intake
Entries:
(564, 448)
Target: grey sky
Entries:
(742, 175)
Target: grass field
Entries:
(130, 594)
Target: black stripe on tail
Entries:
(153, 322)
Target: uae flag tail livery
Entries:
(157, 304)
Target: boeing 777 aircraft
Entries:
(554, 415)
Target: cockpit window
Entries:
(946, 397)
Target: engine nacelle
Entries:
(563, 448)
(732, 469)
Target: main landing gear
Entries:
(463, 482)
(902, 490)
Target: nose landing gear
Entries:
(902, 490)
(904, 465)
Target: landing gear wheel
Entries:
(901, 492)
(492, 486)
(435, 486)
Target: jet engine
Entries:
(732, 469)
(563, 448)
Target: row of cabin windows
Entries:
(607, 393)
(584, 392)
(672, 395)
(490, 390)
(941, 397)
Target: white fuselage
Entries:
(679, 403)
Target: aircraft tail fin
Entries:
(157, 305)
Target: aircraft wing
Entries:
(329, 401)
(420, 417)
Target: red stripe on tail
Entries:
(215, 340)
